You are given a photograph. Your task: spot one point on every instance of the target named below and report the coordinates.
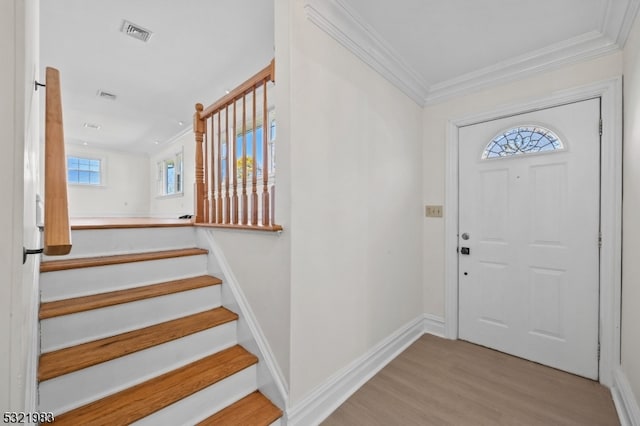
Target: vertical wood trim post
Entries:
(198, 129)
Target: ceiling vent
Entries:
(106, 95)
(135, 31)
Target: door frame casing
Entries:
(610, 93)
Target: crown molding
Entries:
(619, 18)
(585, 46)
(343, 24)
(347, 28)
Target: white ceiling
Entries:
(445, 39)
(434, 49)
(199, 48)
(430, 49)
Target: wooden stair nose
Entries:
(127, 222)
(102, 300)
(252, 410)
(68, 360)
(146, 398)
(87, 262)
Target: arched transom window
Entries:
(522, 140)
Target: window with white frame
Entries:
(170, 175)
(249, 139)
(84, 171)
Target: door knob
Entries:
(465, 236)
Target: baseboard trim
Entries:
(624, 399)
(321, 402)
(434, 324)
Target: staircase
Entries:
(133, 332)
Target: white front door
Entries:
(528, 235)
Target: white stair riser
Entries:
(81, 387)
(208, 401)
(69, 330)
(99, 242)
(70, 283)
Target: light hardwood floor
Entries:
(125, 222)
(444, 382)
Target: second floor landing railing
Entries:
(235, 167)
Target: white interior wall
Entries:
(125, 192)
(19, 173)
(130, 188)
(11, 174)
(435, 119)
(260, 265)
(355, 206)
(174, 206)
(630, 350)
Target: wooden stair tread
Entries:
(146, 398)
(126, 222)
(67, 360)
(95, 301)
(87, 262)
(252, 410)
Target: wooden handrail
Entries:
(267, 73)
(223, 160)
(57, 232)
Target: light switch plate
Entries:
(433, 211)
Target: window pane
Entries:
(84, 177)
(171, 178)
(251, 164)
(522, 140)
(83, 171)
(239, 146)
(259, 157)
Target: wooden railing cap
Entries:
(261, 77)
(57, 232)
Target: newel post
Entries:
(198, 130)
